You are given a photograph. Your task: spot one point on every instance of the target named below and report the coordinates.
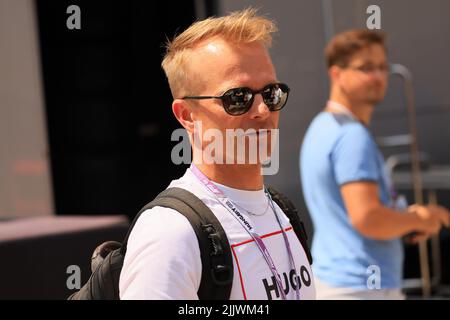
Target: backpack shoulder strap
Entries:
(291, 212)
(215, 252)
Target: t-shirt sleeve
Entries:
(163, 258)
(354, 156)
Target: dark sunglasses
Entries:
(238, 101)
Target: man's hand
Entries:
(432, 218)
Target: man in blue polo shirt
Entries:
(357, 218)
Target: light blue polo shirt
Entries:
(336, 150)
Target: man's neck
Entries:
(243, 177)
(362, 111)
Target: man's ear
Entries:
(182, 111)
(334, 73)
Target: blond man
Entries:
(221, 77)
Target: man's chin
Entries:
(376, 96)
(376, 99)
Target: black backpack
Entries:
(217, 262)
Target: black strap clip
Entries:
(221, 275)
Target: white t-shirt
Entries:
(163, 256)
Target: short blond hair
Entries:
(239, 27)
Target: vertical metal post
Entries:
(403, 72)
(435, 247)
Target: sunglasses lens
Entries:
(237, 101)
(275, 96)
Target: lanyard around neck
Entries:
(246, 224)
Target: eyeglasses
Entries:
(370, 69)
(238, 101)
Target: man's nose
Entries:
(259, 108)
(380, 73)
(380, 77)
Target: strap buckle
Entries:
(221, 275)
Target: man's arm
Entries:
(163, 258)
(374, 220)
